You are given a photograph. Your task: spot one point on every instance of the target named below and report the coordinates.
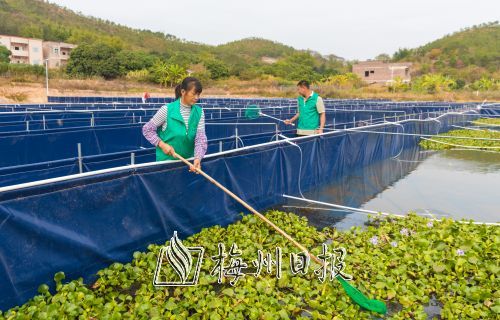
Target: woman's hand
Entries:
(195, 166)
(167, 149)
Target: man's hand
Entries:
(319, 131)
(195, 166)
(288, 121)
(167, 149)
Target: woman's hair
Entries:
(188, 84)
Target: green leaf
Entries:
(58, 277)
(380, 285)
(438, 268)
(43, 289)
(170, 305)
(228, 292)
(391, 294)
(496, 308)
(283, 314)
(215, 316)
(214, 304)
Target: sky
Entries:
(352, 29)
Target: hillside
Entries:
(39, 19)
(465, 54)
(257, 48)
(111, 50)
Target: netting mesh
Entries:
(252, 112)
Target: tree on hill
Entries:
(4, 54)
(95, 60)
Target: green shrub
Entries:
(485, 84)
(433, 83)
(139, 75)
(19, 70)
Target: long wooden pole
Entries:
(255, 212)
(351, 291)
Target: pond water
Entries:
(461, 184)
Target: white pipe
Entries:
(313, 208)
(69, 111)
(468, 128)
(236, 137)
(422, 135)
(379, 212)
(343, 207)
(266, 115)
(461, 146)
(240, 124)
(158, 163)
(367, 110)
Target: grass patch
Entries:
(17, 96)
(405, 262)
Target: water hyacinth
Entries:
(404, 232)
(463, 133)
(395, 276)
(430, 224)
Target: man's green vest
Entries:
(176, 134)
(308, 114)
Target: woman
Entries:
(179, 127)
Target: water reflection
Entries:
(459, 184)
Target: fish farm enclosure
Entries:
(80, 188)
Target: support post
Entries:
(80, 162)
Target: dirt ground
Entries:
(32, 90)
(35, 91)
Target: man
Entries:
(311, 111)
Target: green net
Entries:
(252, 112)
(361, 299)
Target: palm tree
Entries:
(175, 74)
(168, 74)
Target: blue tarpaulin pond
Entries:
(65, 211)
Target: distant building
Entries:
(23, 50)
(36, 51)
(57, 53)
(382, 72)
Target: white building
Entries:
(23, 50)
(57, 53)
(382, 72)
(35, 51)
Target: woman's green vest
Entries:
(176, 134)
